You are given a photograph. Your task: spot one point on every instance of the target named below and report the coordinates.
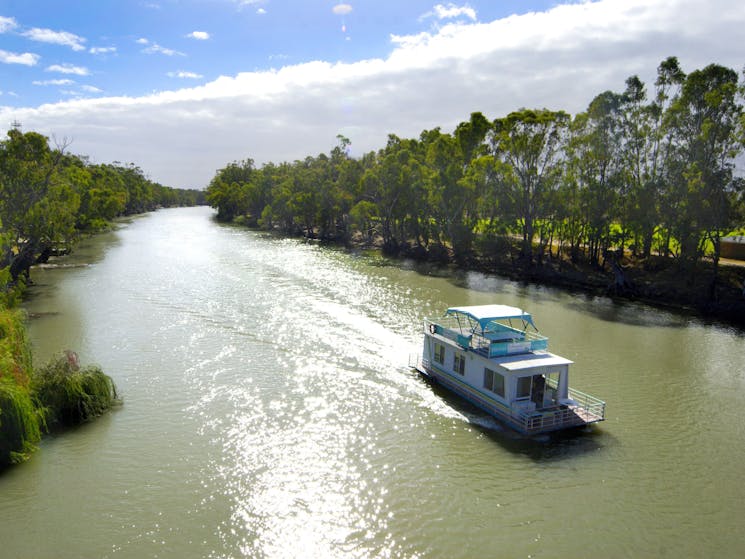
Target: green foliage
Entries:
(15, 352)
(19, 423)
(48, 196)
(61, 392)
(638, 170)
(530, 143)
(71, 395)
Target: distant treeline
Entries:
(48, 197)
(642, 172)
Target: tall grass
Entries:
(19, 423)
(20, 427)
(15, 351)
(70, 395)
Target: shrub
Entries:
(70, 395)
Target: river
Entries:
(268, 411)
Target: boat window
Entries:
(523, 387)
(440, 353)
(459, 364)
(494, 381)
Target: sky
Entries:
(182, 88)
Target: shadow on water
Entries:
(480, 282)
(551, 447)
(547, 447)
(630, 313)
(604, 308)
(608, 309)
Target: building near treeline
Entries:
(733, 247)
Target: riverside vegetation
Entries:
(631, 197)
(48, 198)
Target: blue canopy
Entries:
(484, 314)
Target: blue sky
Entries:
(183, 87)
(94, 48)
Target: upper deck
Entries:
(490, 330)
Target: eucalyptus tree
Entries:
(309, 200)
(103, 196)
(230, 198)
(470, 137)
(229, 189)
(38, 203)
(530, 143)
(280, 211)
(339, 183)
(647, 154)
(594, 166)
(706, 120)
(475, 180)
(390, 184)
(451, 199)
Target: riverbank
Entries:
(34, 400)
(656, 281)
(663, 286)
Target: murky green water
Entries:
(269, 412)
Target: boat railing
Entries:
(588, 405)
(450, 331)
(579, 409)
(500, 340)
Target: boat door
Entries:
(544, 390)
(551, 391)
(537, 390)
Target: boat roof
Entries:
(531, 360)
(484, 314)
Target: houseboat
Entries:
(494, 357)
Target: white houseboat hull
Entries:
(500, 371)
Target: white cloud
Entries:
(243, 3)
(53, 82)
(55, 37)
(7, 24)
(342, 9)
(26, 58)
(184, 74)
(68, 69)
(199, 35)
(559, 59)
(91, 89)
(155, 48)
(142, 41)
(102, 50)
(450, 11)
